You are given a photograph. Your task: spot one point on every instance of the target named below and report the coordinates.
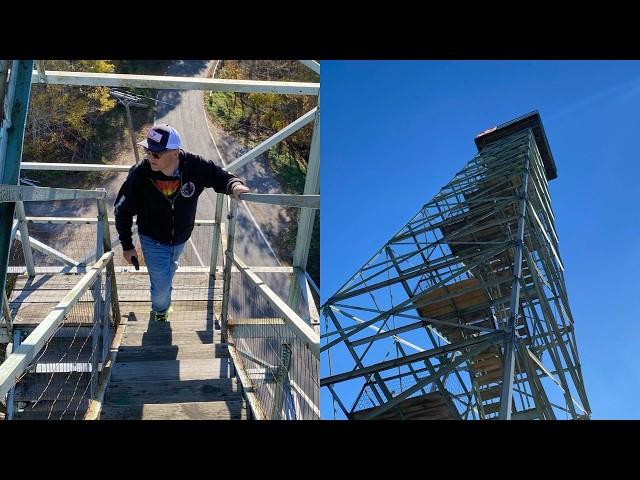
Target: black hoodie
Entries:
(167, 219)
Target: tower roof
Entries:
(530, 120)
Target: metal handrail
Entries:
(19, 360)
(297, 325)
(300, 201)
(21, 193)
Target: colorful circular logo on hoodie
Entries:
(188, 189)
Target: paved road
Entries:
(185, 111)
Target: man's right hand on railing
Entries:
(239, 189)
(129, 254)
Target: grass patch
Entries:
(225, 109)
(289, 171)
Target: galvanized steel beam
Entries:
(54, 77)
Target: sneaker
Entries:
(161, 317)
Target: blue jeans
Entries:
(162, 263)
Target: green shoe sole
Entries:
(159, 317)
(164, 317)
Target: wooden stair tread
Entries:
(171, 352)
(189, 369)
(491, 408)
(62, 385)
(172, 391)
(219, 410)
(170, 338)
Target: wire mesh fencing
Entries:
(59, 245)
(281, 368)
(61, 380)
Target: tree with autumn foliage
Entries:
(62, 118)
(265, 113)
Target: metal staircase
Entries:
(75, 322)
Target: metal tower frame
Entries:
(464, 313)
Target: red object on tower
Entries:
(489, 130)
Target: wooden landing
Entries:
(176, 370)
(432, 406)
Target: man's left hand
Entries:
(238, 189)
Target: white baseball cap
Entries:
(161, 138)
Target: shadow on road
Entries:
(191, 68)
(172, 98)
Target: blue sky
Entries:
(395, 132)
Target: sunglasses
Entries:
(153, 154)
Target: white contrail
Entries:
(611, 94)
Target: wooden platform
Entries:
(176, 370)
(432, 406)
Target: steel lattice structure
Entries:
(464, 313)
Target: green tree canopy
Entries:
(62, 118)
